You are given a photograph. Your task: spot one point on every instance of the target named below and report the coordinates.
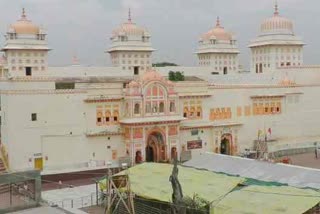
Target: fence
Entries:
(19, 190)
(80, 202)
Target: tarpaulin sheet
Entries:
(267, 200)
(151, 180)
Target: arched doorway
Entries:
(226, 144)
(156, 150)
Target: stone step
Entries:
(4, 188)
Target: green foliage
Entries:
(196, 204)
(176, 76)
(163, 64)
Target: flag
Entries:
(269, 130)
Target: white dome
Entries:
(277, 24)
(24, 26)
(218, 33)
(130, 29)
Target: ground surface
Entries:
(93, 210)
(306, 160)
(41, 210)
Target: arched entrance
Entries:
(156, 148)
(226, 144)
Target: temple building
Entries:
(25, 48)
(276, 46)
(77, 118)
(218, 50)
(131, 47)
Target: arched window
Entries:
(192, 112)
(108, 116)
(185, 112)
(172, 106)
(136, 108)
(127, 109)
(99, 117)
(161, 107)
(199, 111)
(115, 116)
(155, 99)
(148, 107)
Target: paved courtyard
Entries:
(77, 197)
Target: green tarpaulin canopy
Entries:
(151, 180)
(267, 200)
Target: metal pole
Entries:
(91, 200)
(97, 193)
(10, 194)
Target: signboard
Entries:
(195, 144)
(185, 156)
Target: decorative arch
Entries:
(156, 148)
(226, 144)
(155, 101)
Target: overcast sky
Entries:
(83, 27)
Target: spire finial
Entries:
(218, 22)
(276, 9)
(129, 15)
(23, 13)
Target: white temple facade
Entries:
(78, 118)
(218, 50)
(276, 46)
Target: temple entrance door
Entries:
(156, 148)
(149, 153)
(225, 146)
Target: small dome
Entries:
(129, 29)
(218, 33)
(151, 75)
(25, 26)
(277, 24)
(133, 84)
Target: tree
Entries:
(177, 196)
(172, 76)
(176, 76)
(163, 64)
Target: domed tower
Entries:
(276, 46)
(26, 48)
(218, 49)
(131, 48)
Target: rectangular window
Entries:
(194, 132)
(136, 70)
(99, 119)
(33, 117)
(107, 119)
(28, 71)
(115, 118)
(64, 85)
